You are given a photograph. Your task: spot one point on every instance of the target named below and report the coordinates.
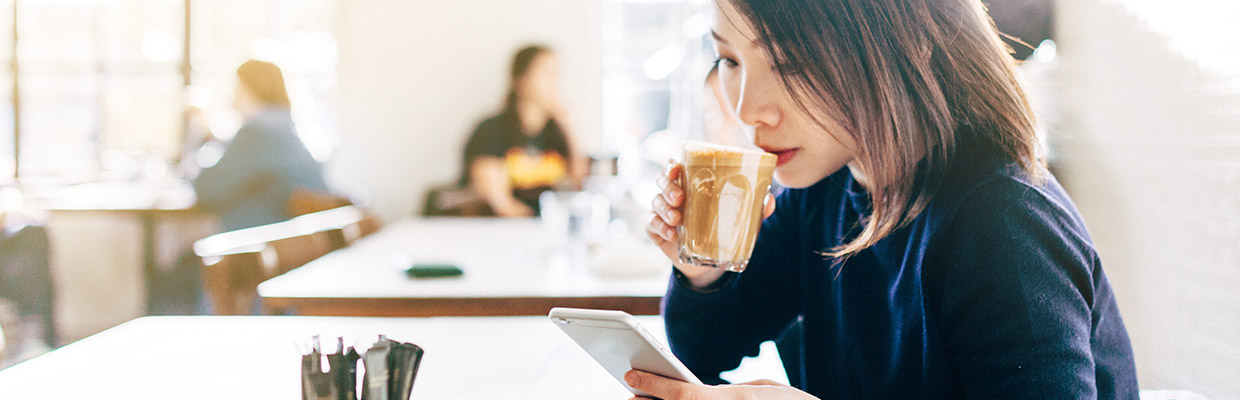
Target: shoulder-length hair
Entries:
(521, 62)
(265, 81)
(914, 82)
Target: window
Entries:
(8, 162)
(656, 56)
(294, 34)
(102, 91)
(1194, 28)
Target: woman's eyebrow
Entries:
(720, 39)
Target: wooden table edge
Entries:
(454, 307)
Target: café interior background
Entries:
(1140, 102)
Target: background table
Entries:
(111, 243)
(149, 202)
(510, 269)
(257, 358)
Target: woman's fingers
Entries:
(666, 207)
(673, 193)
(661, 229)
(670, 215)
(671, 389)
(665, 388)
(768, 205)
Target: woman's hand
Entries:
(668, 216)
(671, 389)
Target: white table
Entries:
(256, 358)
(510, 269)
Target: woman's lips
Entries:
(783, 156)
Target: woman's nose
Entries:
(755, 104)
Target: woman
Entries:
(922, 251)
(513, 157)
(265, 162)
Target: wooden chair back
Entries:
(236, 262)
(231, 280)
(346, 234)
(295, 251)
(305, 201)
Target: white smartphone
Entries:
(619, 344)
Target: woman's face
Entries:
(807, 151)
(540, 85)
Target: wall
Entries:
(1150, 150)
(417, 76)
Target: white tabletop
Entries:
(160, 195)
(501, 259)
(256, 358)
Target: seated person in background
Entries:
(265, 162)
(25, 280)
(513, 157)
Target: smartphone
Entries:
(617, 342)
(433, 271)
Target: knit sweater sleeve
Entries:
(712, 330)
(1017, 293)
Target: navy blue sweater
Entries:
(994, 292)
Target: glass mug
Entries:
(724, 192)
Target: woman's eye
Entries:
(726, 62)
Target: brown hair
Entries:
(265, 81)
(521, 62)
(914, 82)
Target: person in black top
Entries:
(513, 157)
(922, 250)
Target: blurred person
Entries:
(526, 149)
(265, 163)
(26, 277)
(922, 247)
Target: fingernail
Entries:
(673, 215)
(630, 378)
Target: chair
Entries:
(367, 225)
(234, 263)
(343, 225)
(453, 200)
(305, 201)
(231, 280)
(295, 251)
